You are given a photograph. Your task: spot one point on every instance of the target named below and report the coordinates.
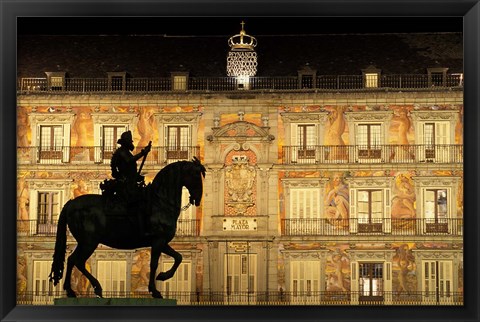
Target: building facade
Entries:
(320, 190)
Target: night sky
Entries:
(228, 26)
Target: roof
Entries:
(92, 56)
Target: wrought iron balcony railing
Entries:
(327, 298)
(31, 85)
(158, 155)
(35, 228)
(375, 227)
(352, 154)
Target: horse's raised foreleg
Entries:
(155, 255)
(178, 259)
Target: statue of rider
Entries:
(124, 170)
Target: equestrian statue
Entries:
(119, 216)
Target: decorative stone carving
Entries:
(239, 180)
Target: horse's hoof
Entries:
(98, 292)
(71, 293)
(157, 295)
(162, 276)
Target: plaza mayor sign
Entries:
(239, 224)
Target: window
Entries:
(113, 277)
(370, 281)
(107, 129)
(48, 210)
(56, 83)
(370, 204)
(43, 290)
(305, 281)
(434, 136)
(179, 83)
(304, 214)
(304, 141)
(369, 139)
(436, 204)
(178, 142)
(370, 211)
(51, 142)
(436, 211)
(437, 279)
(371, 80)
(369, 135)
(180, 285)
(51, 136)
(110, 136)
(240, 277)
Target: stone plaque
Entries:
(239, 224)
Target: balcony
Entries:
(327, 83)
(159, 155)
(270, 298)
(354, 154)
(32, 228)
(372, 227)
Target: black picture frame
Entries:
(10, 10)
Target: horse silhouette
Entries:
(92, 220)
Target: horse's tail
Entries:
(60, 247)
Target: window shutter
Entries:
(38, 143)
(353, 211)
(98, 139)
(294, 145)
(354, 283)
(442, 131)
(388, 282)
(421, 142)
(102, 273)
(66, 143)
(387, 221)
(445, 280)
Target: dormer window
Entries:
(179, 81)
(307, 77)
(437, 77)
(117, 81)
(55, 80)
(371, 77)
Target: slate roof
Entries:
(157, 55)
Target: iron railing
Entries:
(30, 85)
(158, 155)
(34, 228)
(348, 154)
(372, 227)
(326, 298)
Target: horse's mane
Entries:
(169, 173)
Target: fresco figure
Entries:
(142, 268)
(337, 201)
(403, 201)
(334, 134)
(404, 125)
(145, 126)
(406, 263)
(80, 189)
(336, 281)
(21, 272)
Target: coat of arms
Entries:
(239, 179)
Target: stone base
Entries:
(86, 301)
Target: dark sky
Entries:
(227, 26)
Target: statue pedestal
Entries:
(85, 301)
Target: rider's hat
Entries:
(125, 138)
